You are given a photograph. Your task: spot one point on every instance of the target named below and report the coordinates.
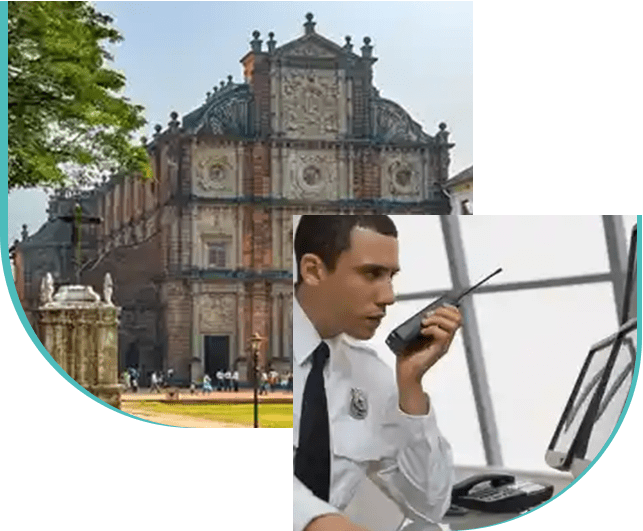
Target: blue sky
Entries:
(175, 52)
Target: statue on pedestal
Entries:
(108, 289)
(47, 289)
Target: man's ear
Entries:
(312, 268)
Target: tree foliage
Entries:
(67, 122)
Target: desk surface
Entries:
(371, 509)
(475, 519)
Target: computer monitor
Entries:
(571, 447)
(601, 389)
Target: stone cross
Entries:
(78, 219)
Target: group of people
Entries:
(226, 381)
(131, 378)
(272, 380)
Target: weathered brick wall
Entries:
(178, 326)
(260, 184)
(261, 90)
(367, 177)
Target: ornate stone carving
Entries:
(403, 175)
(393, 124)
(216, 312)
(310, 102)
(313, 175)
(213, 172)
(309, 49)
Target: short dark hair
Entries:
(329, 236)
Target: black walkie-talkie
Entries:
(408, 333)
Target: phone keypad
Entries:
(490, 494)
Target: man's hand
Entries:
(333, 522)
(439, 328)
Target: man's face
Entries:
(360, 288)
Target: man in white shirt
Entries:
(381, 426)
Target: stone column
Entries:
(80, 332)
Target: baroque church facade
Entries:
(201, 255)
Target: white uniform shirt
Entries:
(405, 455)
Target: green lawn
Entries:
(270, 415)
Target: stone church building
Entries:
(201, 255)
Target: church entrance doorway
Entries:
(217, 354)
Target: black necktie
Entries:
(312, 461)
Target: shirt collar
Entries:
(306, 338)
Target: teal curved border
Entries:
(4, 247)
(629, 396)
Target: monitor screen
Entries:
(583, 392)
(583, 431)
(616, 392)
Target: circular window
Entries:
(312, 176)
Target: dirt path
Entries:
(169, 419)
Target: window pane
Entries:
(423, 259)
(534, 344)
(629, 221)
(534, 247)
(216, 255)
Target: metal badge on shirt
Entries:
(359, 404)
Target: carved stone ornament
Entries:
(310, 104)
(313, 175)
(212, 173)
(393, 123)
(216, 312)
(403, 177)
(309, 49)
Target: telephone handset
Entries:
(499, 493)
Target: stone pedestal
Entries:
(81, 333)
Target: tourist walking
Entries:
(263, 389)
(235, 380)
(155, 383)
(219, 380)
(228, 380)
(207, 384)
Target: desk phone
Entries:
(499, 493)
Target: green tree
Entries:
(67, 123)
